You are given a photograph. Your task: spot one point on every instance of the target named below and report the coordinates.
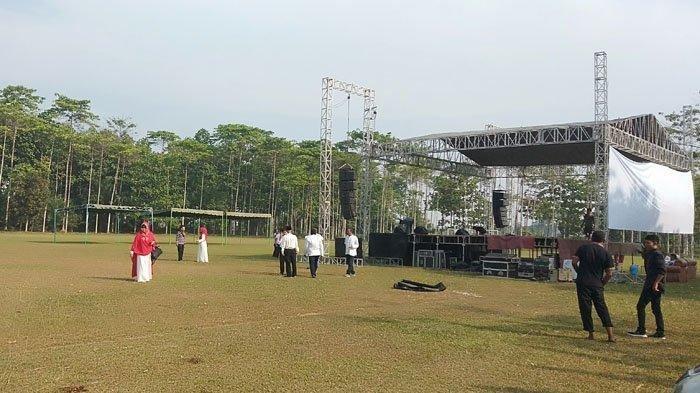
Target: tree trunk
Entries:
(9, 184)
(65, 187)
(99, 186)
(89, 189)
(238, 179)
(2, 160)
(184, 192)
(114, 189)
(48, 181)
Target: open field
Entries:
(70, 317)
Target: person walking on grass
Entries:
(653, 288)
(290, 247)
(278, 249)
(351, 246)
(593, 264)
(141, 248)
(314, 250)
(180, 242)
(203, 252)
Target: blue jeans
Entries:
(313, 264)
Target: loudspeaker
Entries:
(500, 211)
(346, 185)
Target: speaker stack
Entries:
(347, 191)
(500, 210)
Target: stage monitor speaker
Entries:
(346, 185)
(500, 211)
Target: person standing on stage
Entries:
(290, 247)
(278, 249)
(588, 223)
(203, 252)
(141, 249)
(351, 246)
(314, 250)
(180, 242)
(655, 267)
(594, 266)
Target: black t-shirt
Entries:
(593, 260)
(655, 266)
(588, 222)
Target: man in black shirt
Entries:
(588, 223)
(593, 265)
(653, 288)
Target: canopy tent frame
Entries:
(174, 212)
(101, 208)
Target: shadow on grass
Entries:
(507, 389)
(261, 273)
(65, 242)
(112, 278)
(687, 291)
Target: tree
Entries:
(31, 185)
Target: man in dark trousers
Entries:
(653, 288)
(594, 266)
(588, 223)
(180, 241)
(290, 247)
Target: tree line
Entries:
(59, 154)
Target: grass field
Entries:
(71, 320)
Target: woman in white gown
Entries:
(141, 249)
(202, 253)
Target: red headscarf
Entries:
(203, 231)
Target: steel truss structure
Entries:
(328, 85)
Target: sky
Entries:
(436, 66)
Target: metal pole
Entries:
(54, 224)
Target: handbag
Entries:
(155, 254)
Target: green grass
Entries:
(70, 317)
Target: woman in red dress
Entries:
(141, 249)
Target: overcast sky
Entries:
(436, 66)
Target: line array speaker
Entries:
(346, 186)
(500, 211)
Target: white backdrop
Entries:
(643, 196)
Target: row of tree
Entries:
(61, 155)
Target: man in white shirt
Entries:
(290, 247)
(314, 250)
(278, 249)
(351, 246)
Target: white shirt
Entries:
(278, 238)
(289, 241)
(314, 245)
(351, 245)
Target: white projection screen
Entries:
(643, 196)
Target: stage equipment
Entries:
(420, 230)
(479, 230)
(461, 232)
(406, 224)
(500, 208)
(500, 265)
(346, 185)
(389, 245)
(328, 85)
(409, 285)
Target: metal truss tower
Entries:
(328, 85)
(600, 167)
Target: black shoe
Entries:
(641, 333)
(659, 335)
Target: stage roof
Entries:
(108, 208)
(642, 138)
(179, 212)
(247, 216)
